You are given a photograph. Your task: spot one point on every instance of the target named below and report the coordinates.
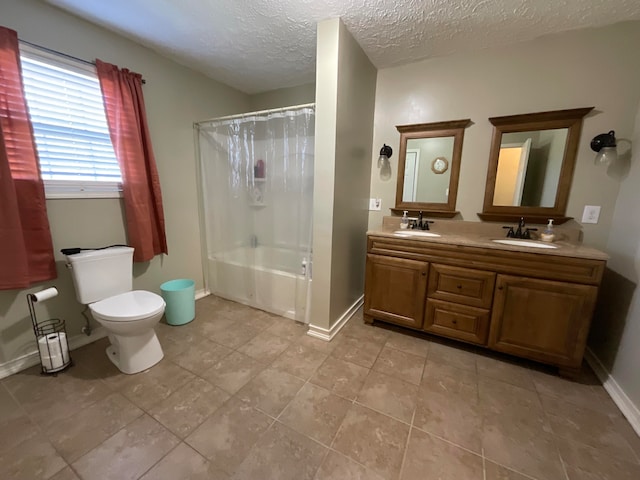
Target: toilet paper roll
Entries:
(54, 351)
(46, 294)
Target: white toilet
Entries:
(103, 281)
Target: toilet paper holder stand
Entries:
(51, 339)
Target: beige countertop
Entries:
(485, 240)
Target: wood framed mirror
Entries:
(429, 167)
(531, 166)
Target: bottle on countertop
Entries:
(404, 221)
(548, 235)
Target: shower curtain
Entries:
(257, 188)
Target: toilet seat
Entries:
(129, 306)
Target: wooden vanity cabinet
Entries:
(530, 305)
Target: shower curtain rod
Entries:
(259, 112)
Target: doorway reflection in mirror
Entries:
(529, 166)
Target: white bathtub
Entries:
(267, 278)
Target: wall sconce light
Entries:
(605, 145)
(383, 162)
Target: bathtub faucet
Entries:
(253, 240)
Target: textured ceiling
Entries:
(260, 45)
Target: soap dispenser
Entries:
(548, 235)
(404, 221)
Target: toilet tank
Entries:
(99, 274)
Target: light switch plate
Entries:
(375, 204)
(591, 214)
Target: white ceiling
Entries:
(261, 45)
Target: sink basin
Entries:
(523, 243)
(415, 233)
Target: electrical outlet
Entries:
(591, 214)
(375, 204)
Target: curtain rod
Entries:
(259, 112)
(55, 52)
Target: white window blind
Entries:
(70, 127)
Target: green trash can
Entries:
(179, 295)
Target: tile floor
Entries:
(244, 394)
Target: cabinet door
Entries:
(395, 290)
(542, 320)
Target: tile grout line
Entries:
(273, 419)
(406, 444)
(485, 459)
(547, 416)
(564, 468)
(276, 419)
(448, 441)
(482, 454)
(355, 402)
(76, 473)
(201, 377)
(332, 449)
(44, 433)
(484, 464)
(165, 455)
(328, 448)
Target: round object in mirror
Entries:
(439, 165)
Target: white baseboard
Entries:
(617, 394)
(327, 334)
(202, 293)
(33, 358)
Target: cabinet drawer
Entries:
(457, 321)
(461, 285)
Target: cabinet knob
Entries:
(459, 286)
(454, 322)
(424, 274)
(500, 287)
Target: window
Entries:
(70, 128)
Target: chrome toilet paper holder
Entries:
(51, 336)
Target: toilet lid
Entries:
(128, 306)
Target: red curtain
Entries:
(126, 116)
(26, 248)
